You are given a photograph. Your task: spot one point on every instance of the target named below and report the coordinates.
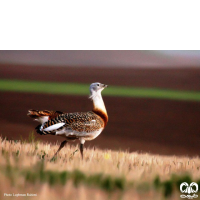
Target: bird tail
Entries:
(43, 116)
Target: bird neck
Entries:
(98, 103)
(99, 106)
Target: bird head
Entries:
(96, 88)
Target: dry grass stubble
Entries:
(132, 173)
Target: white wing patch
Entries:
(54, 127)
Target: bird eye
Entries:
(97, 84)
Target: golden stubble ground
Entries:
(134, 168)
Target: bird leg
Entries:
(82, 141)
(81, 150)
(61, 146)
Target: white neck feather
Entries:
(98, 101)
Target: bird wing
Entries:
(81, 122)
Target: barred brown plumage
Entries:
(72, 126)
(80, 121)
(36, 113)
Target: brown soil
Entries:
(179, 78)
(147, 125)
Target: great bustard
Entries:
(72, 126)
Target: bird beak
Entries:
(105, 86)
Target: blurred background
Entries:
(162, 118)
